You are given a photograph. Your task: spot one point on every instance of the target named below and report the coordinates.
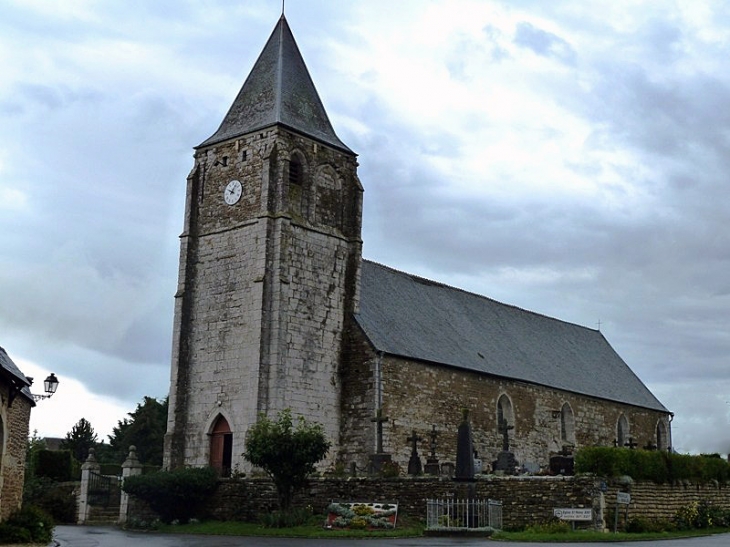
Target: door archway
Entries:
(221, 447)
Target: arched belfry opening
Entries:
(221, 447)
(296, 186)
(622, 431)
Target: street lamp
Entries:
(50, 384)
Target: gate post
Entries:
(131, 466)
(89, 466)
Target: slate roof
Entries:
(10, 371)
(414, 318)
(279, 90)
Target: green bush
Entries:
(29, 525)
(10, 533)
(58, 500)
(657, 466)
(54, 464)
(174, 495)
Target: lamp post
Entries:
(50, 385)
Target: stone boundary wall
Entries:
(526, 500)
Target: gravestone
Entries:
(414, 463)
(378, 459)
(506, 462)
(432, 463)
(464, 450)
(563, 462)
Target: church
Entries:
(276, 308)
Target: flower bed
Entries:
(362, 516)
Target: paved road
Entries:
(92, 536)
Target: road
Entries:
(95, 536)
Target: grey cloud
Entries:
(544, 43)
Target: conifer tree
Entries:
(80, 439)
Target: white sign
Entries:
(573, 514)
(623, 497)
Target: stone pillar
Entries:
(130, 467)
(89, 466)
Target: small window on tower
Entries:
(295, 171)
(244, 155)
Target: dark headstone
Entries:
(414, 463)
(464, 451)
(377, 461)
(562, 465)
(506, 463)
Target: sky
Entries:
(566, 157)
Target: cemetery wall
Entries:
(526, 500)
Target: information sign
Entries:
(623, 497)
(573, 514)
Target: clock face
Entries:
(232, 193)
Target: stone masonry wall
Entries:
(417, 396)
(526, 500)
(265, 285)
(13, 444)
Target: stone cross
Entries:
(379, 419)
(631, 443)
(433, 434)
(650, 446)
(504, 429)
(415, 439)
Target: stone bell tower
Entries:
(269, 266)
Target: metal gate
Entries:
(100, 488)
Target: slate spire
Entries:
(278, 90)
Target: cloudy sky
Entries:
(567, 157)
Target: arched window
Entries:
(567, 425)
(505, 414)
(622, 431)
(221, 447)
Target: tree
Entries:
(145, 430)
(287, 454)
(80, 439)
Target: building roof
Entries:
(411, 317)
(12, 374)
(278, 90)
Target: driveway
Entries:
(95, 536)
